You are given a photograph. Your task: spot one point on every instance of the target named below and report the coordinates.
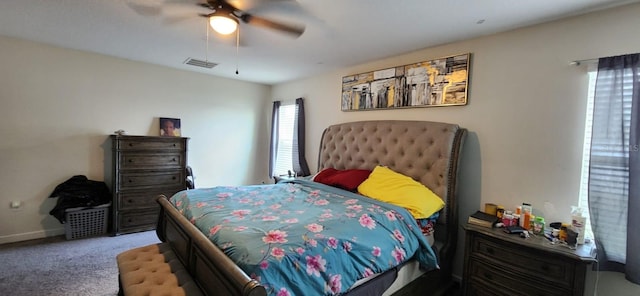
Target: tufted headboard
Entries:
(426, 151)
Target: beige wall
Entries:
(58, 107)
(525, 115)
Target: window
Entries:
(284, 152)
(583, 202)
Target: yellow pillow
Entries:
(386, 185)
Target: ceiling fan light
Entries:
(223, 24)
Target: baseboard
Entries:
(12, 238)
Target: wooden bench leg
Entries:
(120, 291)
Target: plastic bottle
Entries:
(538, 225)
(525, 221)
(507, 220)
(563, 232)
(532, 220)
(578, 221)
(500, 211)
(525, 216)
(516, 219)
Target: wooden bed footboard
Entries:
(212, 270)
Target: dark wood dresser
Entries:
(143, 168)
(497, 263)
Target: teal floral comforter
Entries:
(303, 237)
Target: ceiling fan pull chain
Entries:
(237, 46)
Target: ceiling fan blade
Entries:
(218, 4)
(295, 30)
(145, 8)
(247, 5)
(205, 5)
(176, 19)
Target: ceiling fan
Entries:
(226, 17)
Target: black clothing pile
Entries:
(79, 192)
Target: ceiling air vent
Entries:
(200, 63)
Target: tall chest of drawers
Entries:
(143, 168)
(497, 263)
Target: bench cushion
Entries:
(154, 270)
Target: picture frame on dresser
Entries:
(170, 127)
(144, 167)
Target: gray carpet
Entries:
(55, 266)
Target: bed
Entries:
(427, 152)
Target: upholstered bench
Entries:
(154, 270)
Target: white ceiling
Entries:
(339, 33)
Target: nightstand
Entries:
(497, 263)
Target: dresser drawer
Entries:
(129, 200)
(146, 161)
(133, 180)
(534, 265)
(149, 143)
(494, 280)
(138, 220)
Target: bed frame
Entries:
(426, 151)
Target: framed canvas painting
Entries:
(437, 82)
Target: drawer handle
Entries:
(130, 201)
(544, 267)
(173, 178)
(130, 144)
(130, 160)
(174, 159)
(490, 251)
(488, 276)
(130, 181)
(129, 220)
(174, 144)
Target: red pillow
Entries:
(345, 179)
